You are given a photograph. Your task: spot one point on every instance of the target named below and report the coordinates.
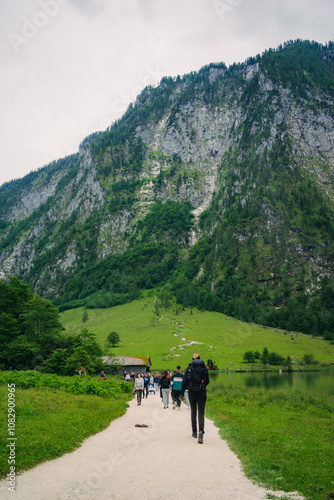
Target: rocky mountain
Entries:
(217, 185)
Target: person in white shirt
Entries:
(139, 387)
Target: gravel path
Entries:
(125, 462)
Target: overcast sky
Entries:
(71, 67)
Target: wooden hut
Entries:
(131, 364)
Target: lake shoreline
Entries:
(264, 370)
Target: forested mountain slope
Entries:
(217, 184)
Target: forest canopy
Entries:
(32, 336)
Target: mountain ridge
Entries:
(245, 157)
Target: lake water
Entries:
(305, 381)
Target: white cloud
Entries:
(72, 66)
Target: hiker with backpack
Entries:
(176, 380)
(196, 378)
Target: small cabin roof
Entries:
(131, 360)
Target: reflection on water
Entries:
(310, 381)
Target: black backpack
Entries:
(196, 376)
(164, 382)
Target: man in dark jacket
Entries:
(196, 378)
(146, 384)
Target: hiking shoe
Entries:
(194, 434)
(200, 437)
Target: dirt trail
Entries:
(157, 462)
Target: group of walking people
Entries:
(143, 385)
(191, 385)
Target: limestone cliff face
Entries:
(85, 194)
(53, 205)
(33, 197)
(199, 138)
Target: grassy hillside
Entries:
(170, 337)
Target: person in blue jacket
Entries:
(176, 380)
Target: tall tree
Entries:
(113, 338)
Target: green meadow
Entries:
(45, 416)
(171, 336)
(284, 438)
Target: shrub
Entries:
(275, 359)
(74, 384)
(308, 359)
(249, 356)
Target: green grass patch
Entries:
(221, 338)
(51, 422)
(75, 384)
(284, 438)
